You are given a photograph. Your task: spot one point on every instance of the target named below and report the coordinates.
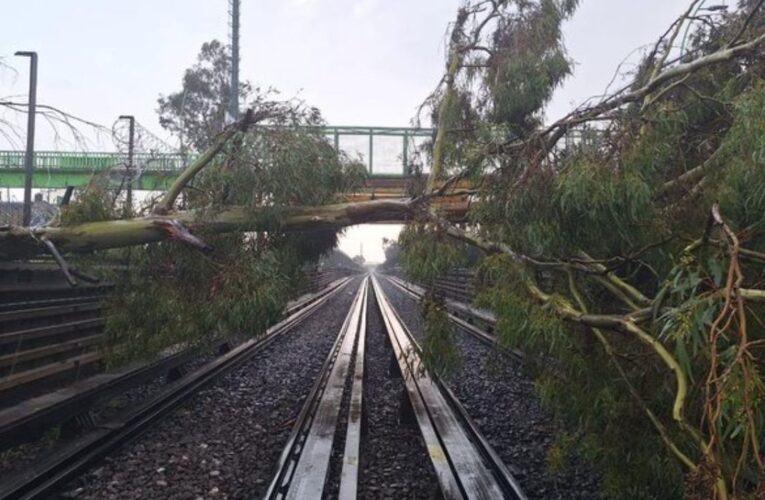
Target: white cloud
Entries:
(304, 3)
(363, 8)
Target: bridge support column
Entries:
(371, 149)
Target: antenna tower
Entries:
(233, 100)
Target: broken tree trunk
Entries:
(21, 242)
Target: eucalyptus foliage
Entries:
(438, 350)
(626, 260)
(239, 284)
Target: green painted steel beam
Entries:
(153, 181)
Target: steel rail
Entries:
(457, 309)
(66, 464)
(457, 306)
(42, 312)
(46, 303)
(466, 465)
(349, 475)
(304, 463)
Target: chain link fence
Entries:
(149, 152)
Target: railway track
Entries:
(476, 322)
(326, 451)
(305, 462)
(465, 465)
(53, 473)
(49, 342)
(51, 332)
(490, 381)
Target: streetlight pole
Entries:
(29, 157)
(131, 139)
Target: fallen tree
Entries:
(166, 223)
(18, 242)
(634, 259)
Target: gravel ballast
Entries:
(502, 402)
(19, 458)
(226, 441)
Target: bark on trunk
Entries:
(20, 242)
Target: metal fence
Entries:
(91, 161)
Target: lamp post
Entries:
(131, 138)
(29, 157)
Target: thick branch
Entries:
(658, 425)
(456, 59)
(166, 204)
(436, 170)
(622, 323)
(18, 242)
(692, 175)
(670, 44)
(60, 261)
(556, 130)
(633, 296)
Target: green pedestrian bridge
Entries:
(384, 150)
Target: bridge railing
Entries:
(384, 150)
(92, 161)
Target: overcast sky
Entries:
(362, 62)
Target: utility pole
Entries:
(30, 154)
(129, 173)
(233, 100)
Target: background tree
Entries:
(197, 113)
(392, 251)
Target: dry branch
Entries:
(558, 129)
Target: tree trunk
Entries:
(20, 242)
